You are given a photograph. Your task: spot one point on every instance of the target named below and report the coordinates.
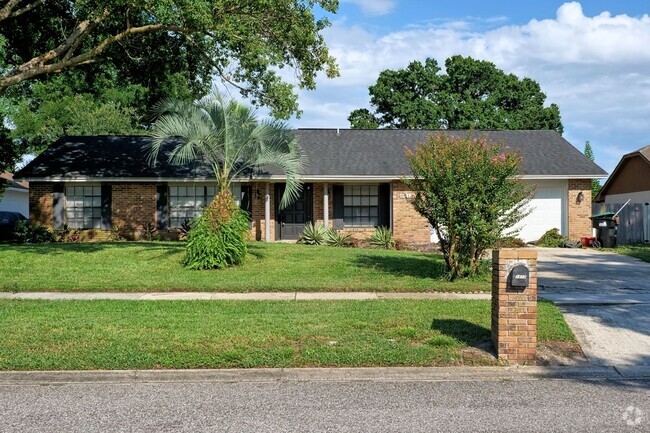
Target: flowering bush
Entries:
(469, 190)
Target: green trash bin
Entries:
(606, 228)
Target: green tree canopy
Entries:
(472, 94)
(243, 41)
(595, 184)
(87, 67)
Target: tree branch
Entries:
(8, 10)
(39, 65)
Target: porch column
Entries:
(326, 208)
(267, 213)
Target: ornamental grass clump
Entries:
(218, 238)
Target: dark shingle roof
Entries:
(329, 152)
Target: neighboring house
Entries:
(352, 182)
(630, 180)
(16, 196)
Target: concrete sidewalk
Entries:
(259, 296)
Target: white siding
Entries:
(15, 200)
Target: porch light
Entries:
(580, 197)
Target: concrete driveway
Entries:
(606, 301)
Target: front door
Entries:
(291, 220)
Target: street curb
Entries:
(362, 374)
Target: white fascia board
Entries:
(277, 178)
(562, 176)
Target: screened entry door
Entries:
(291, 220)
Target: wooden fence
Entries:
(634, 221)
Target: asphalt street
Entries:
(344, 406)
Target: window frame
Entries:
(209, 191)
(357, 199)
(72, 206)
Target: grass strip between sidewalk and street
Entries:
(84, 335)
(269, 267)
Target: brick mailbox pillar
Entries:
(514, 305)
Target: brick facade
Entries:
(514, 310)
(258, 229)
(41, 203)
(133, 206)
(579, 212)
(319, 215)
(408, 224)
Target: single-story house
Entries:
(352, 182)
(630, 180)
(16, 195)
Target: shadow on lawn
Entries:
(431, 266)
(163, 248)
(465, 332)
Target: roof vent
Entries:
(338, 132)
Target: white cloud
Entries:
(595, 68)
(374, 7)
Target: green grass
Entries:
(157, 266)
(639, 251)
(71, 335)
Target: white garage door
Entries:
(548, 211)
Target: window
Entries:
(83, 207)
(187, 201)
(361, 205)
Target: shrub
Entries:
(149, 232)
(335, 238)
(382, 239)
(313, 234)
(117, 233)
(509, 242)
(27, 232)
(470, 191)
(552, 239)
(184, 229)
(217, 239)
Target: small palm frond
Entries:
(229, 137)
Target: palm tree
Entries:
(228, 136)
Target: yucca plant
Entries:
(313, 234)
(336, 238)
(382, 239)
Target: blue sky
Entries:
(592, 58)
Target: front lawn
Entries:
(72, 335)
(639, 251)
(156, 266)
